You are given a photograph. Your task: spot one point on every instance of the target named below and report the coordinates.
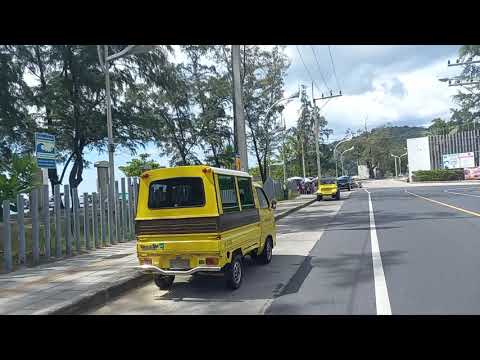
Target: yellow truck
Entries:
(328, 187)
(200, 219)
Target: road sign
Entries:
(45, 150)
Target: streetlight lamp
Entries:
(395, 159)
(400, 162)
(341, 157)
(335, 156)
(105, 59)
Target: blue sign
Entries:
(45, 150)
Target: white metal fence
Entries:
(73, 224)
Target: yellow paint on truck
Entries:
(198, 217)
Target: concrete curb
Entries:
(99, 297)
(288, 212)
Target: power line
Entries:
(306, 68)
(333, 66)
(319, 68)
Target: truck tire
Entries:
(164, 282)
(337, 195)
(319, 197)
(234, 272)
(266, 256)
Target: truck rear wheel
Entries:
(164, 282)
(337, 195)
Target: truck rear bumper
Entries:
(151, 269)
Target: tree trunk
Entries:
(52, 173)
(215, 156)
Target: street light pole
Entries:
(104, 62)
(335, 154)
(395, 159)
(341, 157)
(400, 162)
(111, 146)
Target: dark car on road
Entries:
(345, 182)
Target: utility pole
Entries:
(239, 116)
(303, 160)
(317, 128)
(317, 138)
(284, 155)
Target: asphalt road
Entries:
(430, 255)
(425, 260)
(297, 233)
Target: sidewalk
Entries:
(72, 285)
(287, 206)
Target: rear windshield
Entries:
(327, 181)
(176, 192)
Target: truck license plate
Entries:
(179, 264)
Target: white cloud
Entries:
(412, 94)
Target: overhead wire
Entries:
(320, 69)
(333, 66)
(306, 68)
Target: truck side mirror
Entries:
(273, 204)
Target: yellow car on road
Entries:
(200, 219)
(328, 187)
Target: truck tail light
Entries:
(211, 261)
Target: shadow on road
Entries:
(260, 282)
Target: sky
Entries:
(380, 84)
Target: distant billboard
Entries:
(418, 155)
(458, 161)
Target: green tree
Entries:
(467, 115)
(16, 125)
(440, 127)
(211, 93)
(17, 175)
(306, 137)
(68, 99)
(137, 166)
(262, 75)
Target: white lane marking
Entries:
(457, 193)
(382, 301)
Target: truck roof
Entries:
(214, 169)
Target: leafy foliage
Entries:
(374, 147)
(17, 176)
(136, 167)
(438, 175)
